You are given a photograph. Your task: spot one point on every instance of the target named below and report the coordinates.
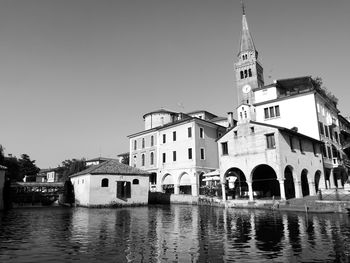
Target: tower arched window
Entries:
(245, 73)
(250, 72)
(242, 76)
(104, 182)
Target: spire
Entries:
(247, 43)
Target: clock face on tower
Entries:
(246, 88)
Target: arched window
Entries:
(250, 72)
(104, 182)
(242, 74)
(152, 158)
(135, 181)
(245, 73)
(143, 160)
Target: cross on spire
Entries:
(243, 7)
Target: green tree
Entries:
(2, 155)
(12, 171)
(27, 166)
(70, 167)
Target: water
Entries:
(176, 233)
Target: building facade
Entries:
(177, 149)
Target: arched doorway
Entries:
(235, 183)
(168, 184)
(265, 184)
(317, 180)
(304, 183)
(185, 184)
(289, 182)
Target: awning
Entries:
(212, 173)
(212, 178)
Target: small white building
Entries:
(111, 183)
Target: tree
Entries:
(12, 171)
(70, 167)
(2, 155)
(27, 166)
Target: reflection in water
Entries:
(176, 233)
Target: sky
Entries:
(76, 76)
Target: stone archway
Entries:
(235, 183)
(264, 182)
(317, 180)
(168, 184)
(289, 182)
(185, 184)
(304, 183)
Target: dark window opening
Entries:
(190, 153)
(270, 141)
(224, 148)
(135, 181)
(104, 182)
(123, 189)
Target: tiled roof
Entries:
(112, 167)
(99, 159)
(3, 167)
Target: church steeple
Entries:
(247, 43)
(249, 72)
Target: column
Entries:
(298, 192)
(223, 191)
(312, 189)
(331, 179)
(176, 189)
(194, 189)
(282, 191)
(250, 190)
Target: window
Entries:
(326, 130)
(272, 112)
(235, 133)
(123, 189)
(250, 72)
(174, 156)
(190, 153)
(135, 181)
(164, 157)
(329, 152)
(245, 114)
(245, 73)
(224, 148)
(330, 132)
(323, 150)
(152, 140)
(270, 141)
(104, 182)
(164, 138)
(291, 143)
(143, 160)
(174, 136)
(277, 110)
(301, 145)
(152, 158)
(252, 129)
(143, 143)
(240, 114)
(242, 74)
(336, 136)
(202, 154)
(135, 160)
(201, 132)
(135, 144)
(189, 132)
(320, 124)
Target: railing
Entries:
(337, 194)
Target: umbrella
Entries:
(212, 173)
(212, 178)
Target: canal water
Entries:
(176, 233)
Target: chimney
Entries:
(230, 119)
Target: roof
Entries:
(123, 154)
(99, 159)
(187, 119)
(112, 167)
(276, 127)
(247, 43)
(201, 111)
(160, 111)
(3, 167)
(218, 118)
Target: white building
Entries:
(177, 149)
(110, 183)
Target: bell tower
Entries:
(249, 72)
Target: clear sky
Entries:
(76, 76)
